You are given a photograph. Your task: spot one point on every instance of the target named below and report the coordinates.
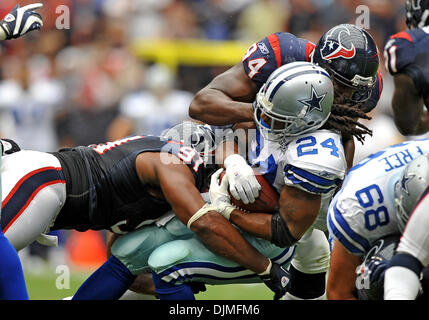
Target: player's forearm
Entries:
(223, 239)
(257, 224)
(341, 283)
(339, 295)
(423, 125)
(298, 216)
(349, 150)
(407, 120)
(214, 107)
(407, 107)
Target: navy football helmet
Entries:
(350, 55)
(198, 136)
(417, 13)
(381, 252)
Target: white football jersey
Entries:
(363, 210)
(313, 162)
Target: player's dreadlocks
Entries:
(345, 118)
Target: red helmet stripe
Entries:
(309, 48)
(274, 42)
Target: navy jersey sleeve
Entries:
(277, 49)
(398, 52)
(193, 160)
(408, 52)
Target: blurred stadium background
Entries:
(133, 66)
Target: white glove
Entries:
(219, 196)
(20, 21)
(243, 184)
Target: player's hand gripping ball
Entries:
(267, 202)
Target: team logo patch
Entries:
(263, 48)
(9, 18)
(333, 47)
(284, 281)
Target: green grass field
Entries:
(43, 286)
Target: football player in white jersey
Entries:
(402, 278)
(364, 211)
(12, 283)
(303, 163)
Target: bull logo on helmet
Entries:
(333, 48)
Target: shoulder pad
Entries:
(402, 48)
(315, 162)
(275, 50)
(398, 52)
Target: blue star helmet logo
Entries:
(405, 181)
(315, 101)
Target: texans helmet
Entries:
(411, 185)
(199, 137)
(350, 55)
(417, 13)
(296, 98)
(382, 251)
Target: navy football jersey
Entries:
(104, 190)
(408, 52)
(277, 49)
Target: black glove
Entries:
(277, 280)
(197, 287)
(20, 21)
(9, 146)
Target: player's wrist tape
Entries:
(204, 209)
(267, 270)
(3, 33)
(225, 209)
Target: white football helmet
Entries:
(409, 188)
(297, 98)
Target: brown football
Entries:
(267, 202)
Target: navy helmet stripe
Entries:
(292, 76)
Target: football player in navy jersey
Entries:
(407, 59)
(347, 52)
(119, 186)
(12, 283)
